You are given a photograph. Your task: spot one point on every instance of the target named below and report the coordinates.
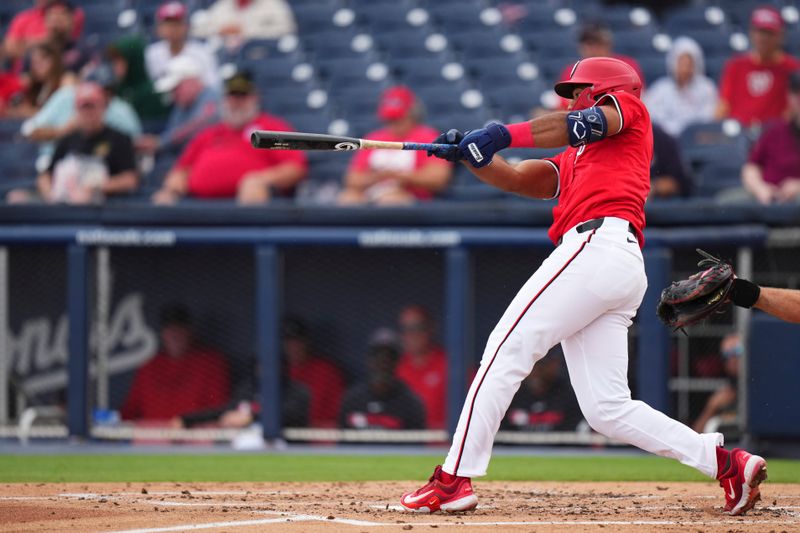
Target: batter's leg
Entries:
(597, 359)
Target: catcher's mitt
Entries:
(689, 301)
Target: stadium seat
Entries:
(515, 100)
(653, 67)
(358, 100)
(552, 42)
(384, 16)
(713, 41)
(334, 43)
(713, 143)
(315, 17)
(634, 42)
(692, 18)
(461, 18)
(410, 42)
(623, 17)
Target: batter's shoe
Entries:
(436, 495)
(741, 480)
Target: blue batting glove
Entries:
(479, 146)
(451, 152)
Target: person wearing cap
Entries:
(90, 163)
(720, 408)
(383, 401)
(391, 177)
(754, 84)
(220, 162)
(596, 40)
(322, 378)
(194, 105)
(237, 21)
(772, 172)
(57, 118)
(126, 56)
(423, 363)
(182, 377)
(686, 95)
(172, 28)
(29, 28)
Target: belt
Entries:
(594, 224)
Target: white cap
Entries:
(178, 69)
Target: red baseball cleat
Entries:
(435, 495)
(741, 481)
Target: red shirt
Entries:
(564, 102)
(29, 25)
(756, 92)
(10, 85)
(777, 152)
(166, 387)
(399, 160)
(219, 156)
(325, 385)
(609, 178)
(429, 382)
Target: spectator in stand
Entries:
(772, 172)
(220, 161)
(60, 19)
(322, 378)
(12, 89)
(720, 408)
(90, 163)
(754, 84)
(237, 21)
(545, 401)
(45, 77)
(29, 28)
(596, 40)
(668, 174)
(181, 378)
(133, 83)
(686, 95)
(58, 118)
(172, 28)
(391, 177)
(423, 363)
(195, 106)
(383, 401)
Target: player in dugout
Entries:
(585, 294)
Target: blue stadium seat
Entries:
(551, 67)
(347, 69)
(358, 100)
(716, 177)
(704, 144)
(384, 16)
(713, 41)
(459, 19)
(620, 17)
(715, 66)
(464, 120)
(653, 67)
(287, 102)
(361, 125)
(549, 42)
(316, 122)
(687, 18)
(408, 44)
(634, 42)
(333, 44)
(515, 100)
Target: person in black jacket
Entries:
(383, 401)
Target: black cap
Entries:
(595, 32)
(241, 82)
(176, 315)
(66, 4)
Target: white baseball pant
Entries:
(584, 296)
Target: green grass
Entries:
(267, 467)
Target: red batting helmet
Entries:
(603, 75)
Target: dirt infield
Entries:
(327, 507)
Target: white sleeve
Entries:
(558, 179)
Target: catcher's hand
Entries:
(689, 301)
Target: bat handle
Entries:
(425, 146)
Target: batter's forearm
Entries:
(550, 130)
(781, 303)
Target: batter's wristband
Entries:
(521, 135)
(744, 293)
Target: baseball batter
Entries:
(584, 294)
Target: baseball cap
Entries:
(103, 75)
(171, 11)
(89, 92)
(396, 102)
(766, 18)
(241, 82)
(595, 32)
(178, 69)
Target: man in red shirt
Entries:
(220, 162)
(322, 378)
(585, 294)
(772, 172)
(391, 177)
(28, 28)
(754, 84)
(423, 363)
(181, 378)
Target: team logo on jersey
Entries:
(759, 82)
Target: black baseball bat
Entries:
(290, 140)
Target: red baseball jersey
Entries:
(756, 92)
(219, 157)
(609, 178)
